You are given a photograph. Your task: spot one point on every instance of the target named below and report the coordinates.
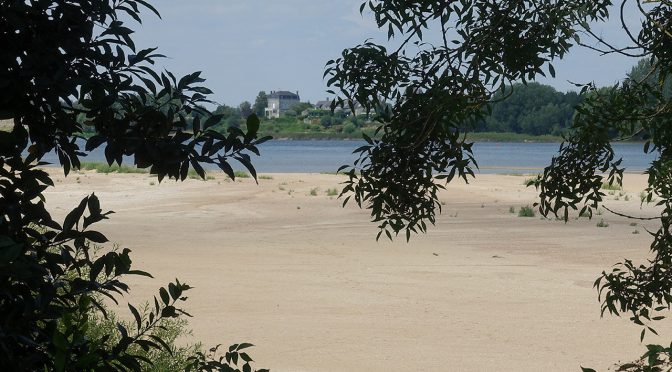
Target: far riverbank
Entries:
(357, 136)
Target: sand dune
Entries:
(306, 282)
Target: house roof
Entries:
(283, 93)
(323, 104)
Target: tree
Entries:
(260, 104)
(530, 108)
(245, 109)
(62, 60)
(440, 92)
(300, 107)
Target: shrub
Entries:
(526, 211)
(349, 128)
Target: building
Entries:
(326, 105)
(280, 102)
(323, 105)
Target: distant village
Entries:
(281, 102)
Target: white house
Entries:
(280, 102)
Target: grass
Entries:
(194, 176)
(512, 210)
(612, 187)
(332, 192)
(602, 223)
(114, 168)
(526, 211)
(313, 191)
(264, 177)
(636, 232)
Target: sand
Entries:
(306, 282)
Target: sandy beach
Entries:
(306, 282)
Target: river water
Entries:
(305, 156)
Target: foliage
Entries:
(173, 358)
(260, 104)
(301, 107)
(532, 108)
(241, 174)
(441, 91)
(65, 67)
(295, 128)
(106, 168)
(245, 109)
(526, 211)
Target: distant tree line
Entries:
(534, 109)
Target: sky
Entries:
(246, 46)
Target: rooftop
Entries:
(284, 94)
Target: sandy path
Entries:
(305, 280)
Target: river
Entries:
(306, 156)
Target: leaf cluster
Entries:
(65, 68)
(440, 91)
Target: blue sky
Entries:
(244, 46)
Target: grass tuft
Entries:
(194, 176)
(526, 211)
(612, 187)
(114, 168)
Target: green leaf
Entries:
(253, 124)
(9, 250)
(95, 236)
(74, 216)
(244, 345)
(136, 315)
(165, 297)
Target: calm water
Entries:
(327, 156)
